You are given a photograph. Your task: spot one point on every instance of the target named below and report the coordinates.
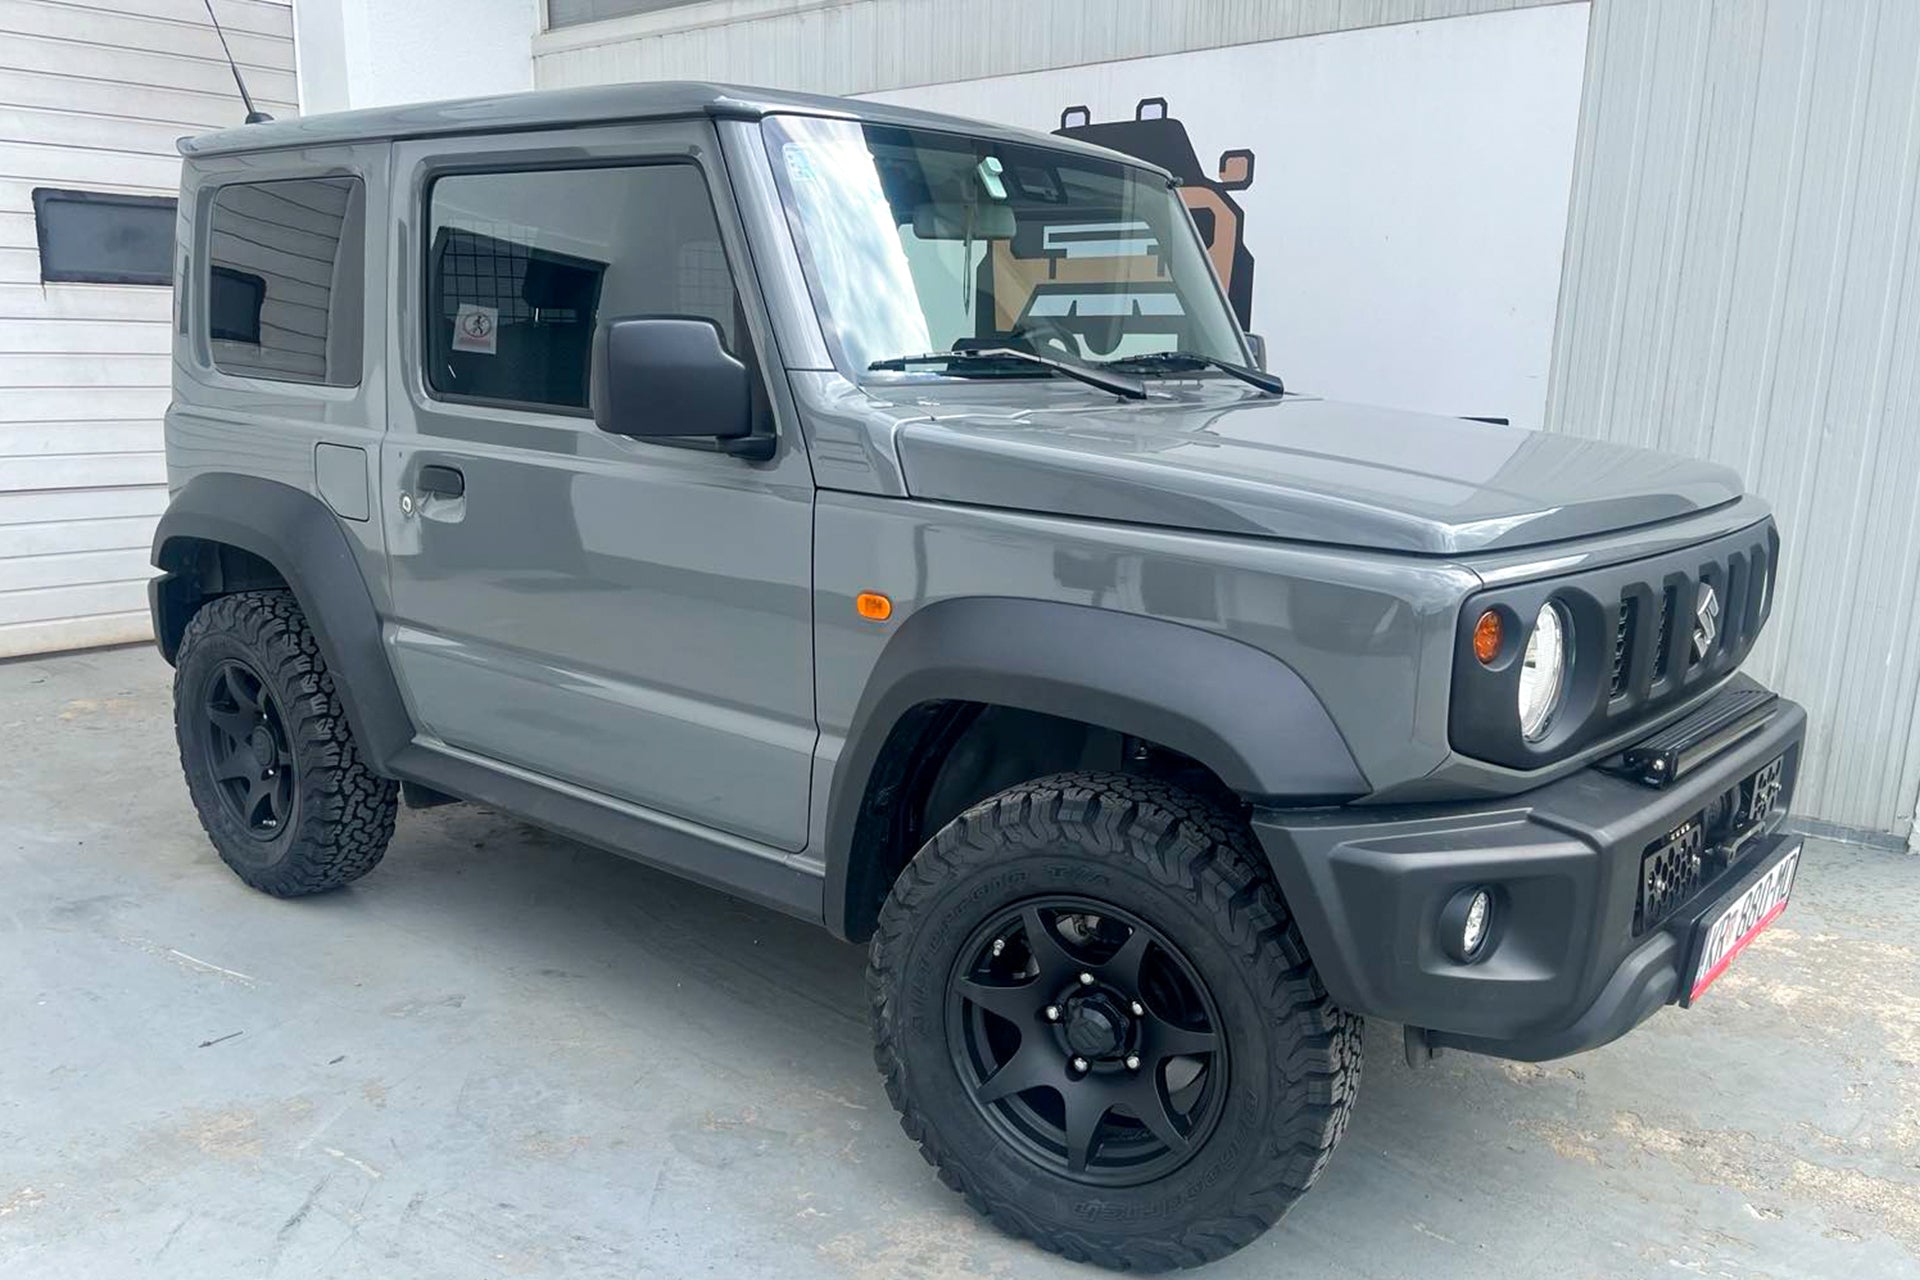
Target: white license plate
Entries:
(1740, 920)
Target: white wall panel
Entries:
(860, 46)
(1381, 270)
(93, 94)
(1743, 282)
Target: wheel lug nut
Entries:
(1133, 1062)
(1086, 979)
(1053, 1013)
(1079, 1064)
(1139, 1010)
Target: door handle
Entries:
(443, 482)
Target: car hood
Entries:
(1302, 469)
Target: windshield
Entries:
(916, 241)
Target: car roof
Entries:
(598, 104)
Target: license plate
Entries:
(1738, 918)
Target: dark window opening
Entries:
(233, 306)
(98, 237)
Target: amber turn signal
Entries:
(1487, 635)
(873, 606)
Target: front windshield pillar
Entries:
(776, 261)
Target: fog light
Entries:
(1466, 923)
(1479, 915)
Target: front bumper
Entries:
(1563, 969)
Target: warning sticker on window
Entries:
(799, 163)
(477, 329)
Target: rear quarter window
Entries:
(285, 283)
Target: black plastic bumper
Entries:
(1563, 969)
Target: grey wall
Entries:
(862, 46)
(1742, 281)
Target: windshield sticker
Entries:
(799, 163)
(477, 329)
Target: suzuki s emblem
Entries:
(1706, 622)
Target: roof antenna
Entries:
(254, 114)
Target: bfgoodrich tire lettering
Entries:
(1188, 870)
(251, 656)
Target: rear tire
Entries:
(1221, 1074)
(270, 761)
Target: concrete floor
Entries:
(503, 1054)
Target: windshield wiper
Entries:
(1270, 383)
(1118, 383)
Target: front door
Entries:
(628, 618)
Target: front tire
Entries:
(270, 762)
(1095, 1015)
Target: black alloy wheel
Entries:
(1087, 1040)
(270, 761)
(1095, 1015)
(248, 753)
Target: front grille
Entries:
(1660, 646)
(1622, 642)
(1694, 854)
(1739, 581)
(1634, 626)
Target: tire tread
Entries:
(1197, 849)
(346, 811)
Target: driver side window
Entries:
(523, 265)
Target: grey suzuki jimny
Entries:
(882, 517)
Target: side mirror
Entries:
(668, 377)
(1257, 345)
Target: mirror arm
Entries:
(758, 447)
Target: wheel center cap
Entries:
(260, 742)
(1096, 1028)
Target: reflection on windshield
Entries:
(918, 241)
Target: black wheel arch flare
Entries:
(294, 532)
(1240, 711)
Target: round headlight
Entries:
(1543, 671)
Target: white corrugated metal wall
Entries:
(863, 46)
(1742, 282)
(92, 95)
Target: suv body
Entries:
(868, 609)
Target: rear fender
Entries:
(292, 531)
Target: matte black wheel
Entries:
(269, 759)
(248, 754)
(1085, 1036)
(1095, 1015)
